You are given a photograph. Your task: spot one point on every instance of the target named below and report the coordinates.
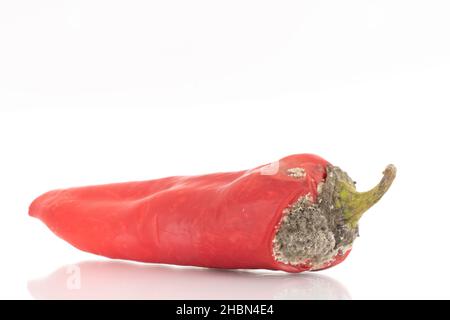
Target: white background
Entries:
(108, 91)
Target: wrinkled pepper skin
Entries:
(223, 220)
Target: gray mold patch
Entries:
(314, 232)
(304, 234)
(297, 173)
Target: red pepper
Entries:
(300, 213)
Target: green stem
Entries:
(354, 203)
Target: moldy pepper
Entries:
(300, 213)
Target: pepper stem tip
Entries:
(355, 203)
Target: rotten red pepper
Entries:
(300, 213)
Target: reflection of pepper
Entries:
(298, 214)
